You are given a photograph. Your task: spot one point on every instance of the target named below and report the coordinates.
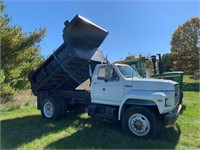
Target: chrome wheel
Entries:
(139, 124)
(48, 109)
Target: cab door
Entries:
(106, 90)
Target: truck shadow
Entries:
(18, 131)
(87, 139)
(107, 135)
(90, 134)
(184, 107)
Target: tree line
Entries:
(20, 53)
(185, 49)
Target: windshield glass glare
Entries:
(128, 72)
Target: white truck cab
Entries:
(118, 92)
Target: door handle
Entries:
(96, 82)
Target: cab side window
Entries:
(102, 74)
(114, 75)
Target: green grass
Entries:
(187, 79)
(190, 84)
(22, 100)
(25, 129)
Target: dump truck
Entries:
(117, 92)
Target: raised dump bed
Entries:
(68, 66)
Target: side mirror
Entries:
(107, 73)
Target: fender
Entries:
(148, 98)
(161, 99)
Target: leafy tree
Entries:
(149, 64)
(167, 62)
(184, 46)
(20, 53)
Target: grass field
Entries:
(187, 79)
(23, 128)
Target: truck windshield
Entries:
(128, 72)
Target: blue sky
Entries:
(135, 27)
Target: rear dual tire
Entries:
(53, 108)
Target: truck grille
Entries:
(177, 94)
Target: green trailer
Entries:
(175, 76)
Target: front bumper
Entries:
(172, 116)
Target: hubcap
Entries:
(139, 124)
(48, 109)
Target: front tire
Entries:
(140, 122)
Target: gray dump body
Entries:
(68, 66)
